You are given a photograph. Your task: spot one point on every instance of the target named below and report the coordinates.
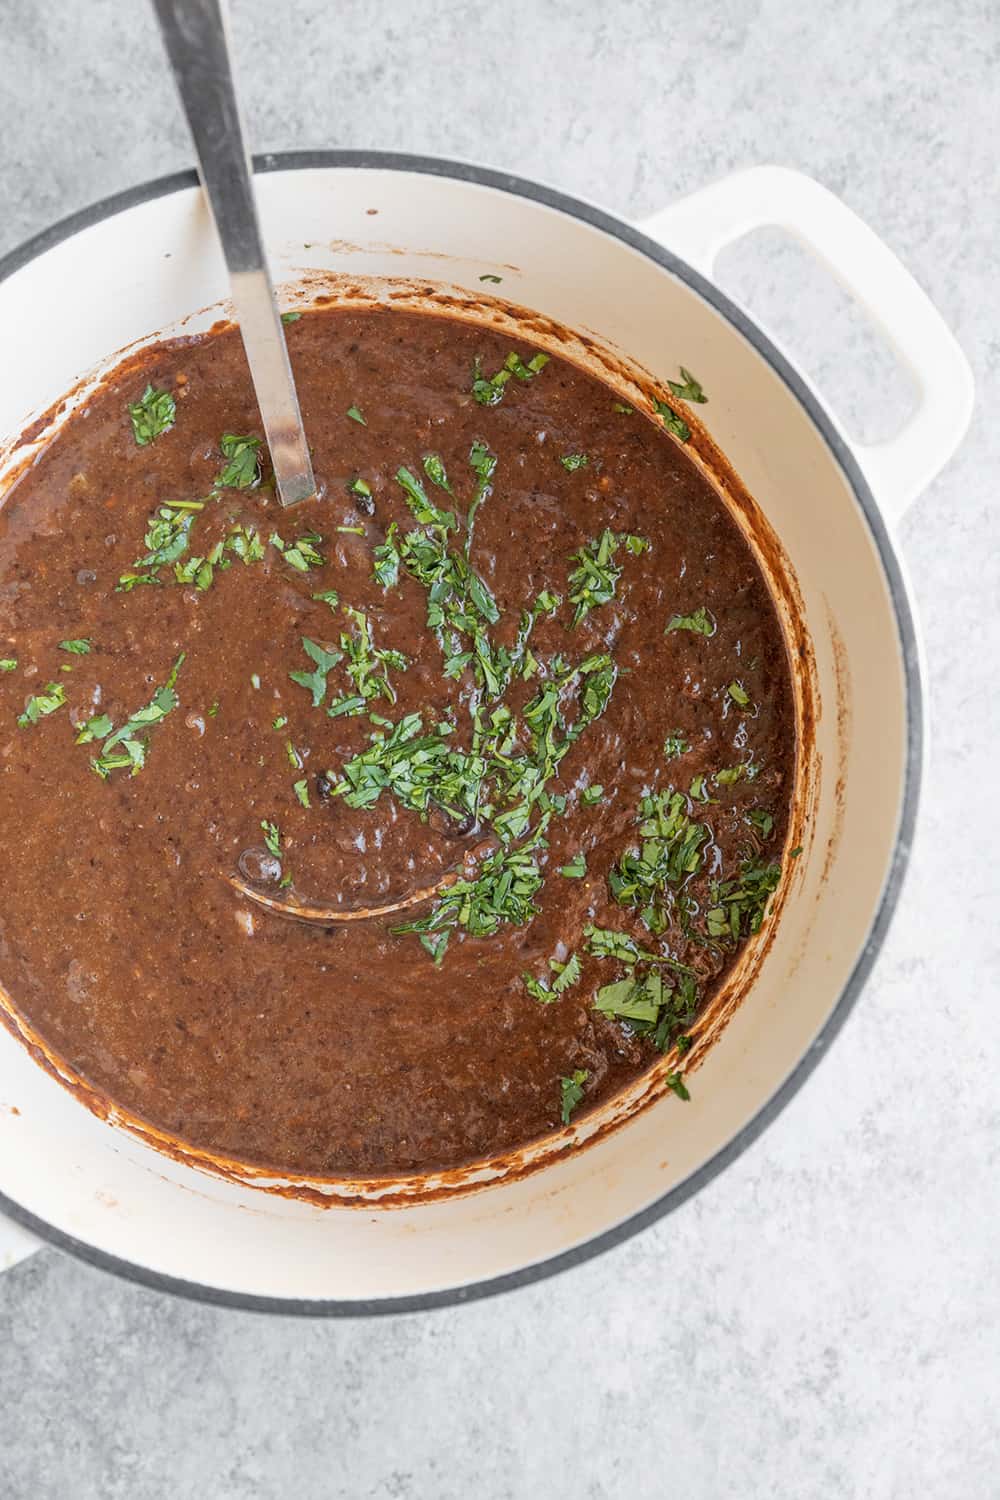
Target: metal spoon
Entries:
(326, 916)
(196, 37)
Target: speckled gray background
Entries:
(824, 1320)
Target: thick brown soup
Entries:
(518, 643)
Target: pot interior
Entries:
(69, 312)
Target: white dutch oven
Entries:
(132, 268)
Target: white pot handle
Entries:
(15, 1243)
(698, 227)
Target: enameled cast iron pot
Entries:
(134, 268)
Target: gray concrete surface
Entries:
(824, 1320)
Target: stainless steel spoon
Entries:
(196, 37)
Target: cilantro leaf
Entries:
(594, 581)
(702, 622)
(573, 461)
(689, 390)
(40, 705)
(8, 664)
(323, 660)
(300, 554)
(738, 693)
(242, 469)
(674, 1080)
(675, 745)
(356, 416)
(739, 905)
(75, 648)
(576, 868)
(386, 569)
(301, 790)
(671, 851)
(489, 390)
(152, 415)
(290, 317)
(125, 748)
(423, 509)
(571, 1092)
(592, 794)
(671, 421)
(623, 408)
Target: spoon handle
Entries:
(195, 34)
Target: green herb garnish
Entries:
(738, 693)
(690, 390)
(125, 748)
(386, 569)
(573, 461)
(675, 745)
(674, 1080)
(671, 421)
(8, 663)
(488, 276)
(700, 623)
(242, 469)
(489, 390)
(75, 648)
(290, 317)
(356, 416)
(152, 415)
(571, 1092)
(762, 820)
(670, 852)
(272, 837)
(301, 789)
(576, 868)
(566, 975)
(323, 661)
(738, 906)
(328, 596)
(300, 554)
(42, 704)
(592, 794)
(594, 581)
(623, 408)
(423, 509)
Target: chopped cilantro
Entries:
(323, 660)
(125, 748)
(701, 622)
(571, 1092)
(367, 664)
(152, 415)
(738, 906)
(592, 794)
(671, 421)
(690, 390)
(8, 663)
(573, 461)
(301, 789)
(386, 569)
(214, 709)
(242, 469)
(436, 472)
(763, 821)
(42, 704)
(698, 791)
(566, 975)
(729, 775)
(280, 721)
(675, 745)
(290, 317)
(488, 276)
(300, 554)
(75, 648)
(794, 853)
(272, 837)
(362, 492)
(670, 852)
(356, 416)
(674, 1080)
(594, 581)
(423, 509)
(738, 693)
(623, 408)
(576, 868)
(489, 390)
(350, 530)
(328, 596)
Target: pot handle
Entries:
(698, 226)
(15, 1243)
